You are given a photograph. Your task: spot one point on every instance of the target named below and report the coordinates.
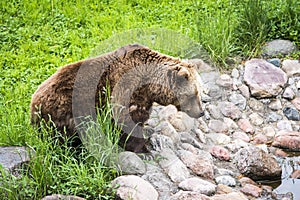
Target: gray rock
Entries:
(263, 78)
(228, 109)
(200, 164)
(12, 158)
(160, 181)
(134, 187)
(218, 126)
(255, 104)
(198, 185)
(273, 117)
(291, 113)
(235, 73)
(275, 61)
(189, 195)
(173, 166)
(215, 92)
(291, 67)
(187, 137)
(160, 142)
(165, 128)
(238, 100)
(214, 111)
(226, 180)
(130, 163)
(62, 197)
(257, 164)
(278, 47)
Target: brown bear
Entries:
(136, 76)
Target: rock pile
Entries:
(249, 113)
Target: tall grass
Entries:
(216, 22)
(253, 26)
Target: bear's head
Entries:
(185, 84)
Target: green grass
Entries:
(37, 37)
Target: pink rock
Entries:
(228, 109)
(246, 126)
(288, 140)
(296, 103)
(263, 78)
(251, 190)
(245, 91)
(199, 164)
(223, 189)
(246, 180)
(280, 153)
(260, 139)
(220, 152)
(241, 135)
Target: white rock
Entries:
(135, 188)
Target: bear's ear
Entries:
(178, 75)
(183, 73)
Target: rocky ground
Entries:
(252, 114)
(252, 118)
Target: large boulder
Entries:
(287, 140)
(257, 164)
(134, 187)
(263, 78)
(278, 47)
(12, 158)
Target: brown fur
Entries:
(137, 77)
